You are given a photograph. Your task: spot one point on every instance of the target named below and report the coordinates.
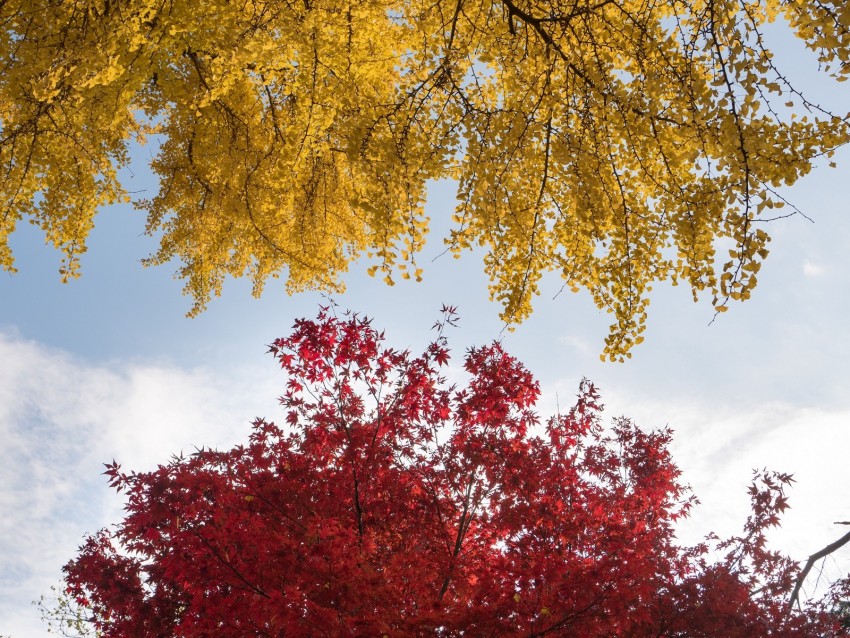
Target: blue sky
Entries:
(109, 367)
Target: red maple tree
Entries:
(392, 504)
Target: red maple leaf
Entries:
(392, 505)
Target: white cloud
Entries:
(581, 344)
(61, 419)
(811, 269)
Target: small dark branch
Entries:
(537, 25)
(273, 112)
(224, 561)
(292, 257)
(193, 56)
(453, 31)
(745, 159)
(288, 517)
(463, 525)
(564, 19)
(537, 205)
(358, 509)
(190, 155)
(826, 551)
(571, 617)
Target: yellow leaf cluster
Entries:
(617, 143)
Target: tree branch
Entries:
(826, 551)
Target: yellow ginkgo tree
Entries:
(617, 142)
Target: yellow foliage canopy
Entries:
(615, 142)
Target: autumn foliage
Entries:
(616, 144)
(393, 504)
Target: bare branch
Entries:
(826, 551)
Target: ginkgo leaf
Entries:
(591, 139)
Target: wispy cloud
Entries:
(812, 269)
(580, 344)
(61, 419)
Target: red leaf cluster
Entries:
(392, 504)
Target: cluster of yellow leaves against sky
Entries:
(616, 142)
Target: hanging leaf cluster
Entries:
(616, 143)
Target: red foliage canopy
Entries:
(394, 505)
